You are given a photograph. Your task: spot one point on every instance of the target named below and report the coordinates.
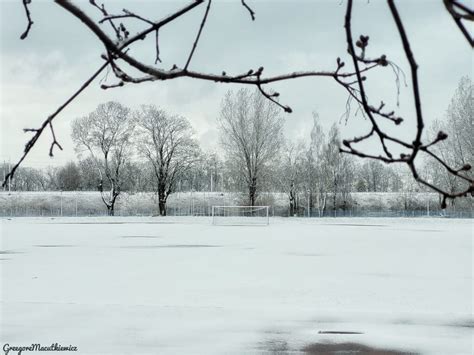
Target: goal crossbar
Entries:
(240, 215)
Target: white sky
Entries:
(41, 72)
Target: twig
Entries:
(251, 12)
(414, 76)
(55, 142)
(28, 16)
(157, 47)
(203, 22)
(363, 98)
(126, 14)
(450, 4)
(270, 97)
(105, 13)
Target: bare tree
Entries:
(213, 165)
(458, 123)
(69, 177)
(337, 169)
(291, 173)
(167, 142)
(28, 179)
(105, 134)
(118, 43)
(314, 166)
(333, 164)
(328, 172)
(205, 176)
(251, 134)
(394, 179)
(373, 173)
(408, 191)
(52, 180)
(346, 182)
(86, 166)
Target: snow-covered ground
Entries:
(182, 286)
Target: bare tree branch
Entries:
(251, 12)
(203, 22)
(28, 16)
(117, 53)
(106, 14)
(55, 142)
(414, 147)
(467, 14)
(48, 122)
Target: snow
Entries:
(89, 203)
(178, 285)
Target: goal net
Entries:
(240, 215)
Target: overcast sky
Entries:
(41, 72)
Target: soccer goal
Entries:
(240, 215)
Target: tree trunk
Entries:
(253, 192)
(323, 204)
(252, 197)
(111, 206)
(292, 196)
(162, 207)
(162, 200)
(292, 205)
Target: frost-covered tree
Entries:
(105, 136)
(393, 175)
(409, 189)
(328, 172)
(214, 167)
(28, 179)
(457, 124)
(315, 177)
(346, 182)
(290, 174)
(251, 135)
(373, 173)
(205, 176)
(167, 142)
(335, 165)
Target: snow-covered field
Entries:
(182, 286)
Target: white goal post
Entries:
(240, 215)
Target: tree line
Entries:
(150, 149)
